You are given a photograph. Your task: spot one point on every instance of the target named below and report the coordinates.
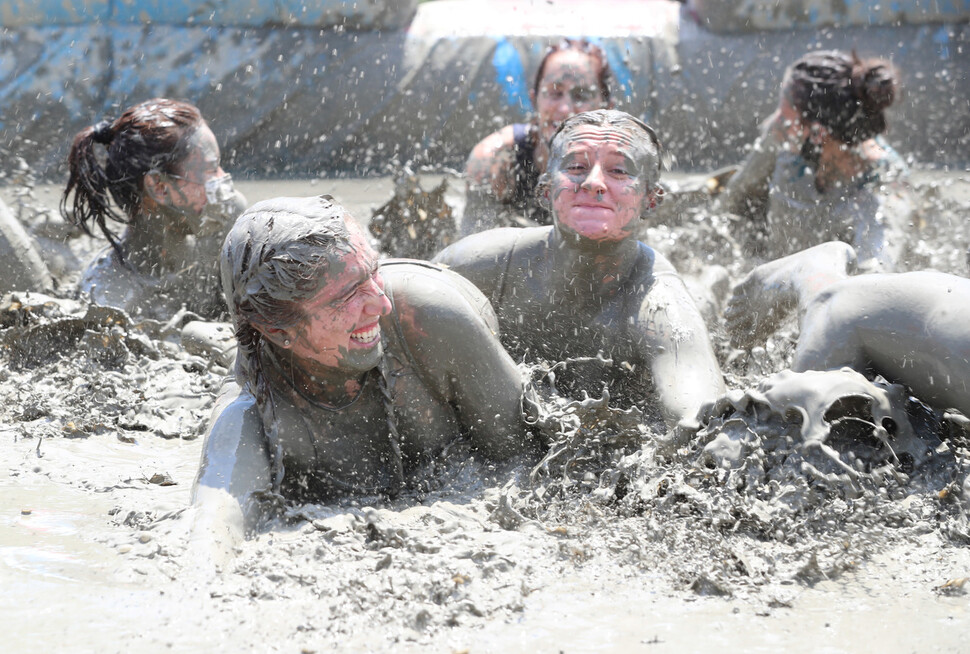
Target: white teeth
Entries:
(368, 336)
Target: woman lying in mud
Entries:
(910, 328)
(504, 168)
(350, 373)
(585, 287)
(821, 171)
(161, 168)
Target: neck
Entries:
(152, 244)
(592, 268)
(325, 385)
(541, 155)
(838, 163)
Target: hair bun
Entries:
(876, 86)
(103, 132)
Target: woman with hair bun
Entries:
(821, 171)
(158, 175)
(504, 168)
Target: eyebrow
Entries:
(351, 288)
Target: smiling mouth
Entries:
(368, 336)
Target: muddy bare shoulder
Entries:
(484, 258)
(442, 315)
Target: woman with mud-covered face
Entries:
(161, 167)
(585, 289)
(504, 168)
(350, 373)
(821, 170)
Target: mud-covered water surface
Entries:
(766, 528)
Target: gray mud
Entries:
(764, 530)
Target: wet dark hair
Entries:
(152, 136)
(604, 75)
(843, 93)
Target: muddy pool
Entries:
(633, 549)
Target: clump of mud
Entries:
(74, 369)
(795, 481)
(414, 223)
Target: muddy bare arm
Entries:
(489, 172)
(452, 334)
(235, 466)
(908, 327)
(746, 193)
(683, 367)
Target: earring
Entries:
(286, 342)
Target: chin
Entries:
(595, 232)
(363, 359)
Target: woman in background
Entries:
(821, 171)
(161, 167)
(504, 168)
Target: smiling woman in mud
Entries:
(504, 168)
(821, 170)
(161, 167)
(349, 373)
(586, 286)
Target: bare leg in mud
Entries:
(771, 291)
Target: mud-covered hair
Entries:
(276, 256)
(152, 136)
(604, 75)
(842, 92)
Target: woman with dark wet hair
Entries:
(504, 168)
(159, 164)
(585, 289)
(350, 373)
(821, 170)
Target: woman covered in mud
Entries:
(585, 289)
(350, 373)
(504, 168)
(821, 171)
(160, 165)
